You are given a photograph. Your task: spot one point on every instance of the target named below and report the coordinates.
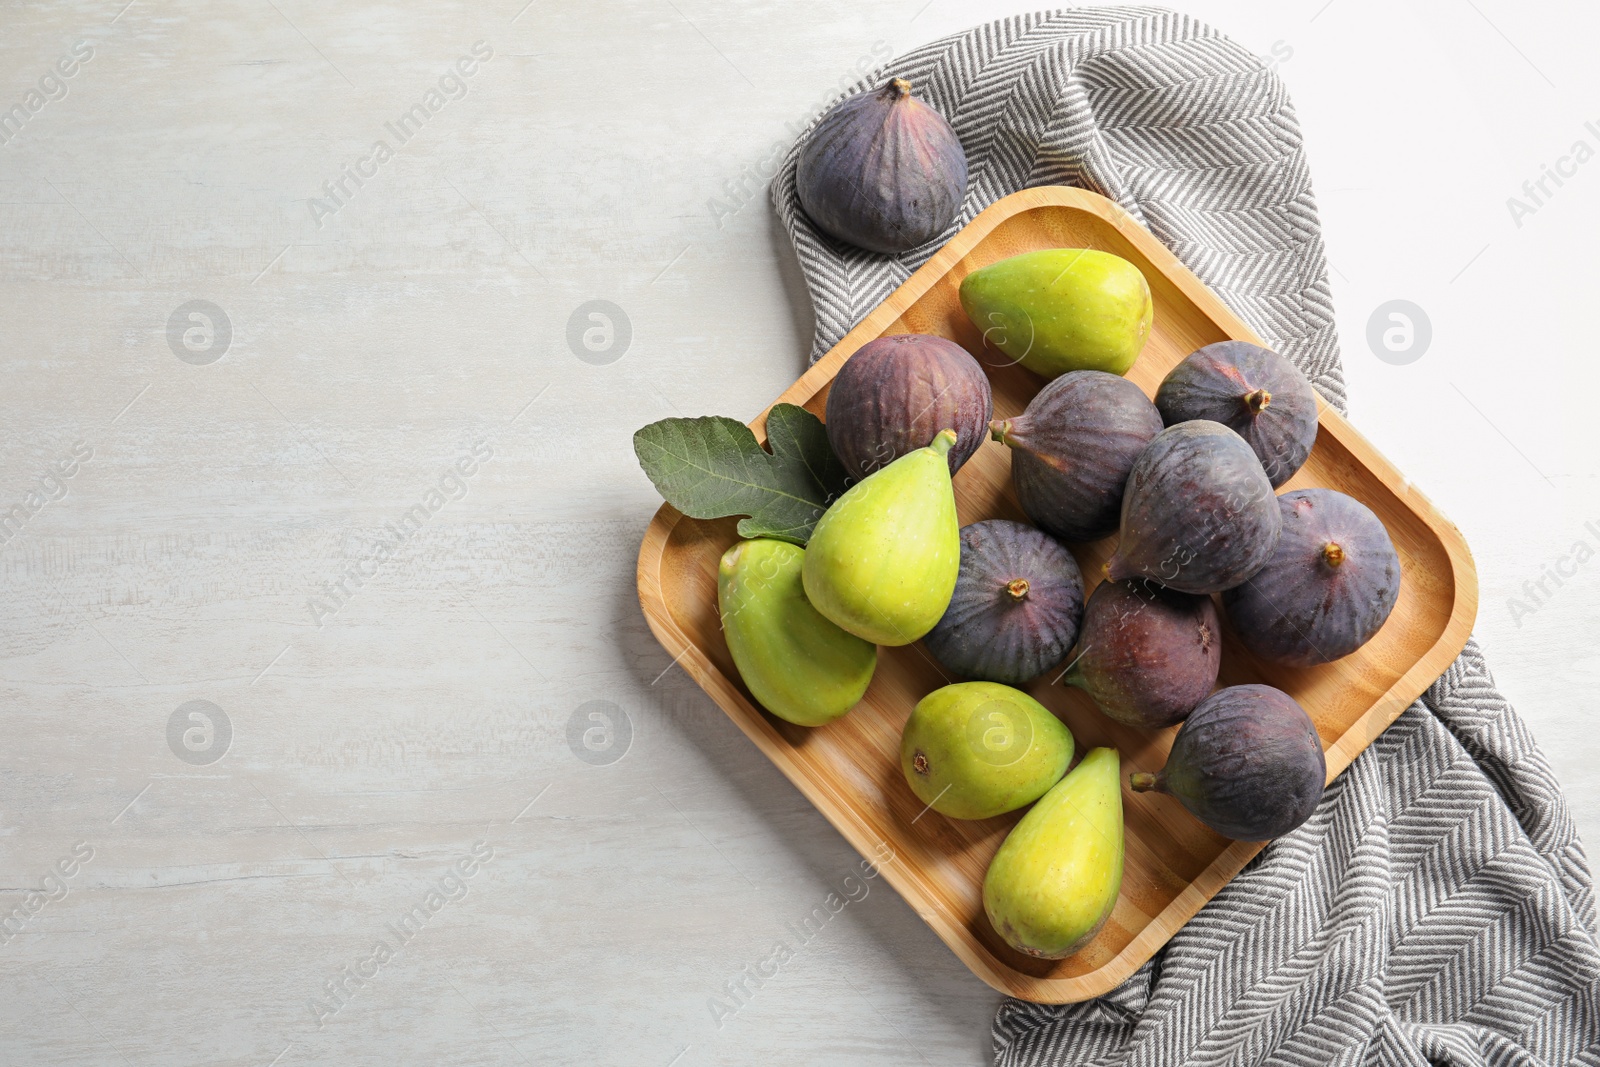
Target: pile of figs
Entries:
(1187, 482)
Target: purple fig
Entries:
(1072, 449)
(1148, 654)
(1247, 763)
(1328, 587)
(882, 170)
(896, 393)
(1198, 514)
(1015, 611)
(1251, 390)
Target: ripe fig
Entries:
(1251, 390)
(1148, 655)
(1054, 882)
(1247, 763)
(1062, 309)
(1328, 587)
(896, 392)
(1016, 605)
(882, 561)
(798, 665)
(882, 170)
(975, 750)
(1198, 514)
(1072, 449)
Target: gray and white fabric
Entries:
(1438, 907)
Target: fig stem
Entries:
(1256, 400)
(998, 428)
(1018, 588)
(1141, 781)
(901, 87)
(943, 442)
(1333, 553)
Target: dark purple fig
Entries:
(1247, 762)
(1148, 654)
(1328, 587)
(1015, 612)
(1198, 514)
(895, 395)
(1251, 390)
(1072, 449)
(882, 170)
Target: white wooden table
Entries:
(310, 597)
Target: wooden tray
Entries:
(850, 768)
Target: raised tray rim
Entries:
(755, 724)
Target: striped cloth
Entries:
(1438, 907)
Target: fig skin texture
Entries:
(1254, 392)
(797, 664)
(1247, 763)
(974, 750)
(1055, 879)
(1328, 587)
(883, 559)
(1148, 655)
(897, 392)
(1056, 310)
(1073, 448)
(1016, 608)
(882, 171)
(1198, 514)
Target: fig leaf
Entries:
(711, 467)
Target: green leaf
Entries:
(711, 467)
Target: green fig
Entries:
(798, 665)
(1052, 885)
(975, 750)
(883, 559)
(1062, 309)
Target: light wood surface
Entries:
(849, 769)
(615, 150)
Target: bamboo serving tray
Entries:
(850, 768)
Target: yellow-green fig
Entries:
(798, 665)
(1062, 309)
(883, 559)
(975, 750)
(1052, 885)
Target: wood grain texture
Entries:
(849, 769)
(606, 151)
(432, 708)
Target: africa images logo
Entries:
(52, 85)
(51, 486)
(449, 888)
(54, 886)
(452, 485)
(452, 85)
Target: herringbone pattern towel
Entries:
(1438, 908)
